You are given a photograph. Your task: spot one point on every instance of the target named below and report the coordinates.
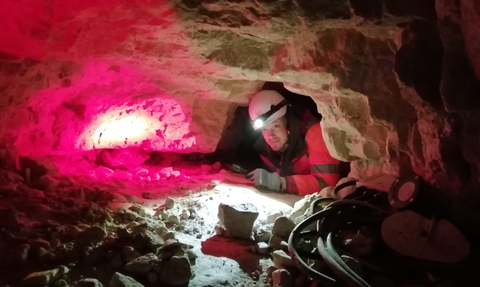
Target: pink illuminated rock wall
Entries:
(108, 74)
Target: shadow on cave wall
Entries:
(418, 63)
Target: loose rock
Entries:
(301, 206)
(283, 227)
(120, 280)
(282, 278)
(270, 270)
(263, 234)
(262, 248)
(141, 265)
(152, 240)
(89, 282)
(176, 271)
(169, 203)
(92, 235)
(173, 219)
(275, 242)
(282, 259)
(238, 219)
(272, 217)
(44, 278)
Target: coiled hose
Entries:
(325, 246)
(355, 209)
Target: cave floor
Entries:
(54, 222)
(76, 202)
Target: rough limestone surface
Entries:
(397, 85)
(238, 219)
(176, 271)
(283, 226)
(120, 280)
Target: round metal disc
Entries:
(404, 191)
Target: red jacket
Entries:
(312, 169)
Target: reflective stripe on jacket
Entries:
(314, 169)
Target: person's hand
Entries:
(264, 179)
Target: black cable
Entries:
(340, 187)
(292, 240)
(331, 250)
(336, 266)
(316, 203)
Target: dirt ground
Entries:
(71, 200)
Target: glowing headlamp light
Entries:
(260, 121)
(258, 124)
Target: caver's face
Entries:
(275, 134)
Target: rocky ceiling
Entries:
(397, 81)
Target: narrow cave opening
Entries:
(235, 146)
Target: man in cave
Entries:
(294, 151)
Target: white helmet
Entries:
(266, 107)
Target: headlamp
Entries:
(260, 120)
(258, 123)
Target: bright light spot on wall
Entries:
(120, 130)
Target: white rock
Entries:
(282, 259)
(271, 217)
(283, 227)
(238, 219)
(173, 219)
(263, 234)
(302, 205)
(262, 248)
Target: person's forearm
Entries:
(303, 184)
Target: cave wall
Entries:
(397, 82)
